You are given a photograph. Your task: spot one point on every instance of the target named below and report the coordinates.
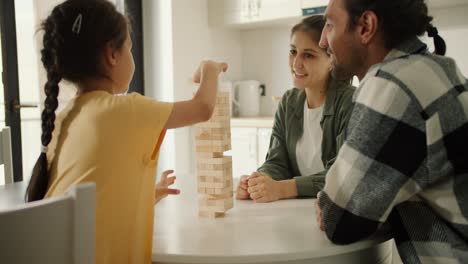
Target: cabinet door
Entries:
(264, 10)
(264, 135)
(244, 12)
(313, 3)
(244, 151)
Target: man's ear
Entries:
(368, 27)
(110, 54)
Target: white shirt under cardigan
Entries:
(309, 146)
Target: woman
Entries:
(309, 126)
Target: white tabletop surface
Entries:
(280, 232)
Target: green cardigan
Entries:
(281, 163)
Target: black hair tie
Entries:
(432, 31)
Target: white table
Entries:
(280, 232)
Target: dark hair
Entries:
(75, 34)
(312, 25)
(400, 20)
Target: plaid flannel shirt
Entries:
(405, 159)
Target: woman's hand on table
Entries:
(162, 189)
(263, 188)
(242, 193)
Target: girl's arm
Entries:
(200, 108)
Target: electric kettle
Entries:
(246, 98)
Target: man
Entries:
(405, 159)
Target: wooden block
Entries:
(216, 122)
(201, 190)
(202, 178)
(221, 149)
(212, 173)
(209, 136)
(202, 166)
(209, 155)
(219, 196)
(215, 185)
(216, 205)
(223, 190)
(210, 214)
(222, 111)
(217, 131)
(222, 160)
(215, 143)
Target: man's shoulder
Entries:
(418, 67)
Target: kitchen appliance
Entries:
(246, 99)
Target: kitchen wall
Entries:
(265, 58)
(174, 47)
(265, 51)
(453, 27)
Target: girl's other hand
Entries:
(162, 189)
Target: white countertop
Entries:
(261, 121)
(280, 232)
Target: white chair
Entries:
(5, 154)
(51, 231)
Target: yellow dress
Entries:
(113, 141)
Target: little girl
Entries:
(110, 140)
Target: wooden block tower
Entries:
(214, 170)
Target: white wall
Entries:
(453, 27)
(174, 48)
(265, 58)
(193, 41)
(265, 51)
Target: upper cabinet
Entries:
(313, 7)
(237, 13)
(255, 13)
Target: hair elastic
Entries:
(43, 149)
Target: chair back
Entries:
(54, 230)
(5, 154)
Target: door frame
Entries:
(11, 83)
(133, 8)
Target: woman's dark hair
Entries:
(400, 20)
(312, 25)
(75, 34)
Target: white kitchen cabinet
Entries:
(313, 7)
(276, 9)
(263, 135)
(243, 151)
(250, 139)
(245, 12)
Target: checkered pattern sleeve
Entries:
(406, 137)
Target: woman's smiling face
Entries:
(309, 63)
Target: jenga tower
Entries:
(214, 170)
